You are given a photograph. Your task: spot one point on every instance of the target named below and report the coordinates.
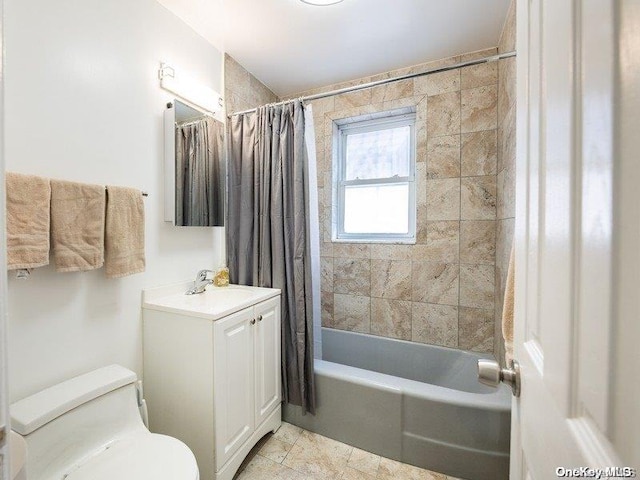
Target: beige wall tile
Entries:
(326, 274)
(506, 83)
(477, 284)
(437, 83)
(396, 104)
(443, 114)
(351, 250)
(441, 242)
(391, 318)
(434, 282)
(326, 249)
(479, 75)
(506, 193)
(326, 302)
(475, 329)
(351, 312)
(507, 41)
(507, 140)
(236, 77)
(443, 157)
(392, 91)
(478, 54)
(478, 198)
(421, 183)
(435, 324)
(479, 153)
(352, 99)
(479, 109)
(443, 199)
(478, 241)
(352, 276)
(390, 251)
(421, 129)
(391, 279)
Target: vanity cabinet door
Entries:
(267, 358)
(233, 383)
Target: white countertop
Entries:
(213, 304)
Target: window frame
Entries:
(342, 130)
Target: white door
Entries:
(267, 358)
(570, 264)
(233, 379)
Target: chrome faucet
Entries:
(200, 283)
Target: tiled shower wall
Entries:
(447, 289)
(442, 289)
(506, 167)
(242, 90)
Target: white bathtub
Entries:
(415, 403)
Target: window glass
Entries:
(378, 154)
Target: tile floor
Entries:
(296, 454)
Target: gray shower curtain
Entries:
(267, 230)
(199, 173)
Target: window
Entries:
(375, 180)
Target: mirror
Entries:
(195, 167)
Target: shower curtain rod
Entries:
(363, 86)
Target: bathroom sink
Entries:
(214, 303)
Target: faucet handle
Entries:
(202, 275)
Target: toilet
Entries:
(90, 427)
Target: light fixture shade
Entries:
(321, 3)
(189, 90)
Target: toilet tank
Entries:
(68, 423)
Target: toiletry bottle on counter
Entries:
(221, 278)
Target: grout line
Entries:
(459, 221)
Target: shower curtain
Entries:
(269, 244)
(199, 194)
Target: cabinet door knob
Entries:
(259, 318)
(253, 321)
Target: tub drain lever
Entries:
(490, 373)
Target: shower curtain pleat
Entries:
(199, 148)
(268, 244)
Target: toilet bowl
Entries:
(90, 427)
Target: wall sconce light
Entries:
(189, 90)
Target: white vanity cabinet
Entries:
(212, 372)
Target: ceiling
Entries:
(291, 46)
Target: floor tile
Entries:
(364, 461)
(296, 454)
(392, 470)
(288, 433)
(275, 449)
(319, 456)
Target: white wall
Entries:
(83, 103)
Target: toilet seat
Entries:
(140, 456)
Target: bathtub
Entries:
(418, 404)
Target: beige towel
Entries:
(28, 203)
(77, 225)
(124, 235)
(507, 310)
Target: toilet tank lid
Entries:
(31, 413)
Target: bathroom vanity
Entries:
(212, 370)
